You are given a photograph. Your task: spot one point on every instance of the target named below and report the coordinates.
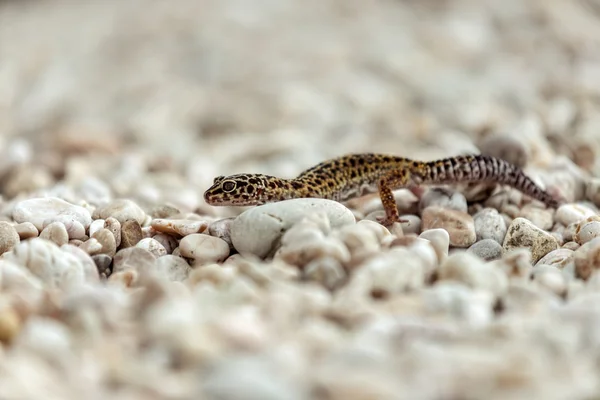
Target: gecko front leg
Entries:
(393, 180)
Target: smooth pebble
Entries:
(121, 210)
(48, 209)
(153, 246)
(131, 233)
(9, 237)
(523, 233)
(203, 249)
(458, 224)
(489, 224)
(55, 232)
(486, 249)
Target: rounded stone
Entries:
(486, 249)
(153, 246)
(114, 226)
(222, 229)
(107, 240)
(131, 233)
(203, 249)
(258, 230)
(489, 224)
(572, 213)
(9, 237)
(524, 234)
(445, 198)
(542, 218)
(102, 262)
(26, 230)
(121, 210)
(559, 258)
(440, 240)
(182, 227)
(458, 224)
(587, 231)
(174, 268)
(55, 232)
(133, 258)
(48, 209)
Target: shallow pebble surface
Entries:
(117, 279)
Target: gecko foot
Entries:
(388, 222)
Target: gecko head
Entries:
(241, 190)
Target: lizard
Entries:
(355, 175)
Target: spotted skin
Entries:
(355, 175)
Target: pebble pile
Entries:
(118, 282)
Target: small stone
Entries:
(327, 271)
(486, 249)
(489, 224)
(444, 198)
(413, 224)
(122, 210)
(95, 226)
(107, 240)
(26, 230)
(222, 229)
(133, 258)
(181, 227)
(10, 324)
(167, 241)
(550, 278)
(458, 224)
(57, 268)
(174, 268)
(587, 231)
(48, 209)
(522, 233)
(440, 240)
(91, 246)
(164, 211)
(455, 299)
(153, 246)
(9, 237)
(258, 230)
(559, 258)
(474, 272)
(572, 213)
(114, 226)
(89, 268)
(131, 233)
(592, 191)
(55, 232)
(542, 218)
(102, 262)
(203, 249)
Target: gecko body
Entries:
(355, 175)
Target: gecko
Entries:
(356, 175)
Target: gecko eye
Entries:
(228, 186)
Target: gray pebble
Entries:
(487, 249)
(489, 224)
(102, 262)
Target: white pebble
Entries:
(572, 213)
(48, 209)
(203, 249)
(182, 227)
(153, 246)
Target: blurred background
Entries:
(152, 99)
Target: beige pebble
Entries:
(559, 258)
(55, 232)
(413, 224)
(48, 209)
(572, 213)
(522, 233)
(114, 226)
(379, 230)
(107, 241)
(133, 258)
(550, 278)
(443, 198)
(586, 231)
(181, 227)
(89, 268)
(474, 272)
(587, 259)
(258, 230)
(153, 246)
(222, 229)
(9, 237)
(95, 226)
(55, 267)
(164, 211)
(458, 301)
(440, 240)
(167, 241)
(174, 268)
(122, 210)
(131, 233)
(360, 241)
(26, 230)
(10, 324)
(328, 271)
(75, 230)
(203, 249)
(542, 218)
(91, 246)
(458, 224)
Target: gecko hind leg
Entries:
(396, 179)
